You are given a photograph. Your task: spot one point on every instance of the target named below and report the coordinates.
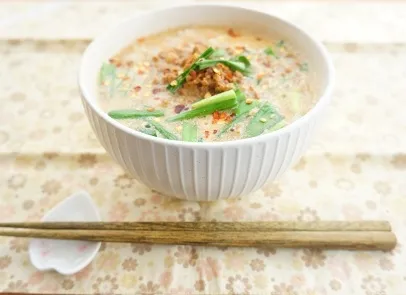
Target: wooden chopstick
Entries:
(369, 225)
(359, 235)
(355, 240)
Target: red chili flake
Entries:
(232, 33)
(223, 116)
(179, 108)
(130, 63)
(214, 131)
(137, 88)
(167, 71)
(256, 96)
(140, 40)
(193, 74)
(228, 119)
(156, 90)
(216, 115)
(229, 75)
(206, 133)
(140, 72)
(118, 64)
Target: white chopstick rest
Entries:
(66, 257)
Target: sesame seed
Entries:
(150, 109)
(248, 101)
(174, 83)
(262, 120)
(157, 120)
(146, 64)
(216, 70)
(179, 128)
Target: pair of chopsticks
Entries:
(354, 235)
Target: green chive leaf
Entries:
(265, 118)
(149, 131)
(189, 131)
(218, 53)
(243, 59)
(233, 65)
(243, 107)
(294, 98)
(277, 126)
(107, 70)
(269, 51)
(203, 111)
(162, 130)
(221, 97)
(304, 67)
(280, 43)
(133, 114)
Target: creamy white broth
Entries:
(144, 69)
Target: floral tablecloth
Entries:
(355, 169)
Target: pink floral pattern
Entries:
(354, 169)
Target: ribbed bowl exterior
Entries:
(201, 173)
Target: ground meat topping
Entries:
(211, 80)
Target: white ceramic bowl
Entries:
(203, 171)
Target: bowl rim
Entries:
(322, 101)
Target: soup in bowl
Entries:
(199, 106)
